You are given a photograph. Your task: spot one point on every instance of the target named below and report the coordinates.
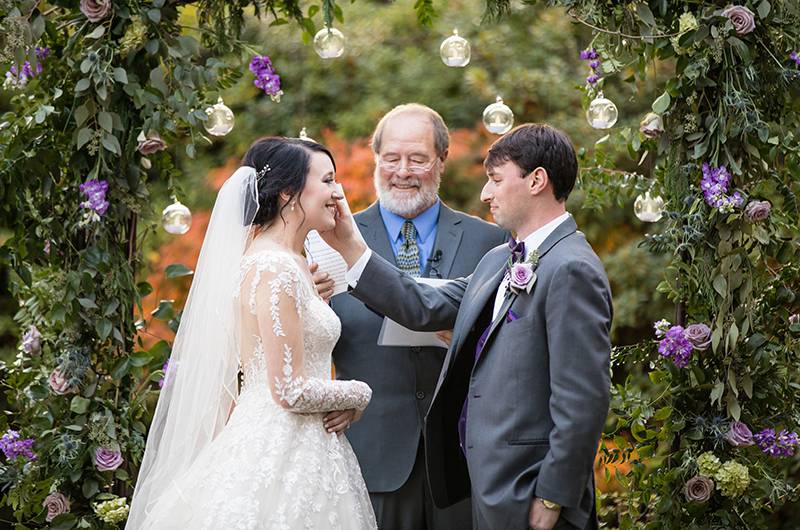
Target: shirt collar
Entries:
(424, 223)
(535, 240)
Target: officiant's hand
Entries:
(541, 517)
(340, 420)
(322, 281)
(446, 335)
(342, 238)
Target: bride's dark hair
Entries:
(282, 165)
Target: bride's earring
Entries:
(293, 205)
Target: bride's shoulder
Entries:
(272, 259)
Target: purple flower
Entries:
(95, 203)
(594, 65)
(758, 210)
(266, 77)
(714, 185)
(795, 57)
(164, 379)
(742, 19)
(593, 79)
(107, 459)
(699, 489)
(699, 335)
(95, 10)
(14, 447)
(589, 55)
(58, 383)
(777, 444)
(32, 341)
(521, 277)
(56, 504)
(739, 435)
(676, 346)
(661, 327)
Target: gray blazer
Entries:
(539, 391)
(387, 438)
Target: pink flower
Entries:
(95, 10)
(152, 143)
(699, 335)
(522, 277)
(107, 459)
(758, 210)
(651, 125)
(742, 18)
(56, 504)
(58, 383)
(739, 435)
(699, 489)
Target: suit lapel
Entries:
(370, 223)
(448, 239)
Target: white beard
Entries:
(407, 205)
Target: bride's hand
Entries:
(340, 420)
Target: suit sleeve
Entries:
(578, 312)
(398, 296)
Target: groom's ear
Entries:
(539, 180)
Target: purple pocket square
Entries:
(511, 316)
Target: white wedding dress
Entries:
(273, 466)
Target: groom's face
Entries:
(507, 192)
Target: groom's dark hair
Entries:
(533, 145)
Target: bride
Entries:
(270, 463)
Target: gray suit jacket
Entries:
(538, 393)
(387, 438)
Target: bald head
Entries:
(441, 136)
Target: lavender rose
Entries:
(58, 383)
(107, 459)
(699, 489)
(699, 335)
(521, 275)
(56, 504)
(152, 143)
(95, 10)
(651, 125)
(739, 435)
(742, 18)
(758, 210)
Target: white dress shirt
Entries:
(532, 242)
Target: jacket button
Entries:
(420, 394)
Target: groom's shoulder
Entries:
(575, 250)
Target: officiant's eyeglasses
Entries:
(413, 168)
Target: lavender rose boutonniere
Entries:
(522, 276)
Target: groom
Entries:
(520, 404)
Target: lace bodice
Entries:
(287, 335)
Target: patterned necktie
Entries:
(408, 255)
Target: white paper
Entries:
(393, 334)
(330, 261)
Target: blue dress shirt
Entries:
(425, 223)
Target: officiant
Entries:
(411, 227)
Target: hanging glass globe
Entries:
(220, 119)
(647, 208)
(176, 218)
(498, 118)
(455, 50)
(602, 113)
(329, 43)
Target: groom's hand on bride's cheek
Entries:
(322, 281)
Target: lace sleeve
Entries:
(278, 302)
